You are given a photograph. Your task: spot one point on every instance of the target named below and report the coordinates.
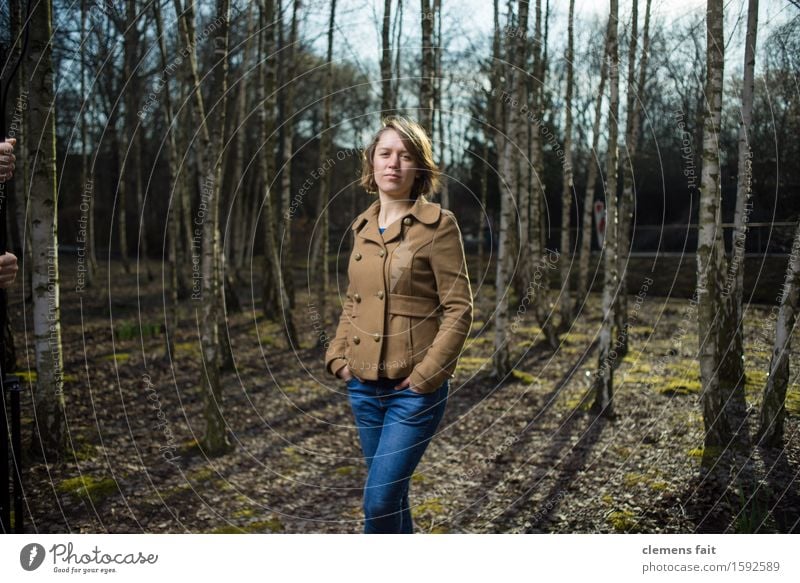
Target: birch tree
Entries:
(537, 264)
(388, 102)
(635, 98)
(215, 441)
(501, 360)
(582, 288)
(48, 429)
(566, 184)
(320, 251)
(287, 99)
(710, 254)
(732, 372)
(426, 104)
(275, 297)
(604, 377)
(773, 405)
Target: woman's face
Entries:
(395, 168)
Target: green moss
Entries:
(623, 521)
(201, 475)
(700, 452)
(346, 470)
(433, 506)
(85, 451)
(793, 400)
(88, 487)
(526, 378)
(26, 375)
(659, 486)
(632, 479)
(261, 526)
(131, 330)
(679, 386)
(187, 348)
(418, 478)
(244, 513)
(439, 530)
(120, 357)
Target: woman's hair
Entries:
(419, 146)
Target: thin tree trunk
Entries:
(48, 440)
(87, 183)
(501, 358)
(773, 405)
(709, 257)
(274, 291)
(582, 289)
(387, 97)
(426, 104)
(174, 186)
(634, 97)
(287, 153)
(732, 371)
(320, 250)
(215, 441)
(538, 261)
(603, 383)
(564, 298)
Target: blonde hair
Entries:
(420, 148)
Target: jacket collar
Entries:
(423, 210)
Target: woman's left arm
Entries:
(455, 296)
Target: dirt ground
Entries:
(522, 456)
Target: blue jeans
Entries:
(395, 427)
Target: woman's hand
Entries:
(345, 374)
(7, 159)
(406, 384)
(8, 269)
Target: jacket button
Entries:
(357, 256)
(357, 297)
(380, 295)
(376, 337)
(356, 339)
(381, 253)
(407, 221)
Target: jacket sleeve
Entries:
(455, 296)
(335, 358)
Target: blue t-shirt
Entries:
(381, 229)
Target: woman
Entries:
(407, 314)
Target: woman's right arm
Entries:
(335, 359)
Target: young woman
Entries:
(405, 319)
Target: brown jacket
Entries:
(408, 309)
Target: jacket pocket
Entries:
(420, 319)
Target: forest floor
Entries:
(526, 455)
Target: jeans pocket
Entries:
(351, 382)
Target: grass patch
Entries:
(88, 487)
(120, 357)
(131, 330)
(623, 521)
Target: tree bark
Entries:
(582, 289)
(320, 250)
(215, 441)
(48, 430)
(501, 360)
(773, 405)
(709, 255)
(426, 104)
(732, 371)
(387, 92)
(567, 187)
(275, 297)
(603, 383)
